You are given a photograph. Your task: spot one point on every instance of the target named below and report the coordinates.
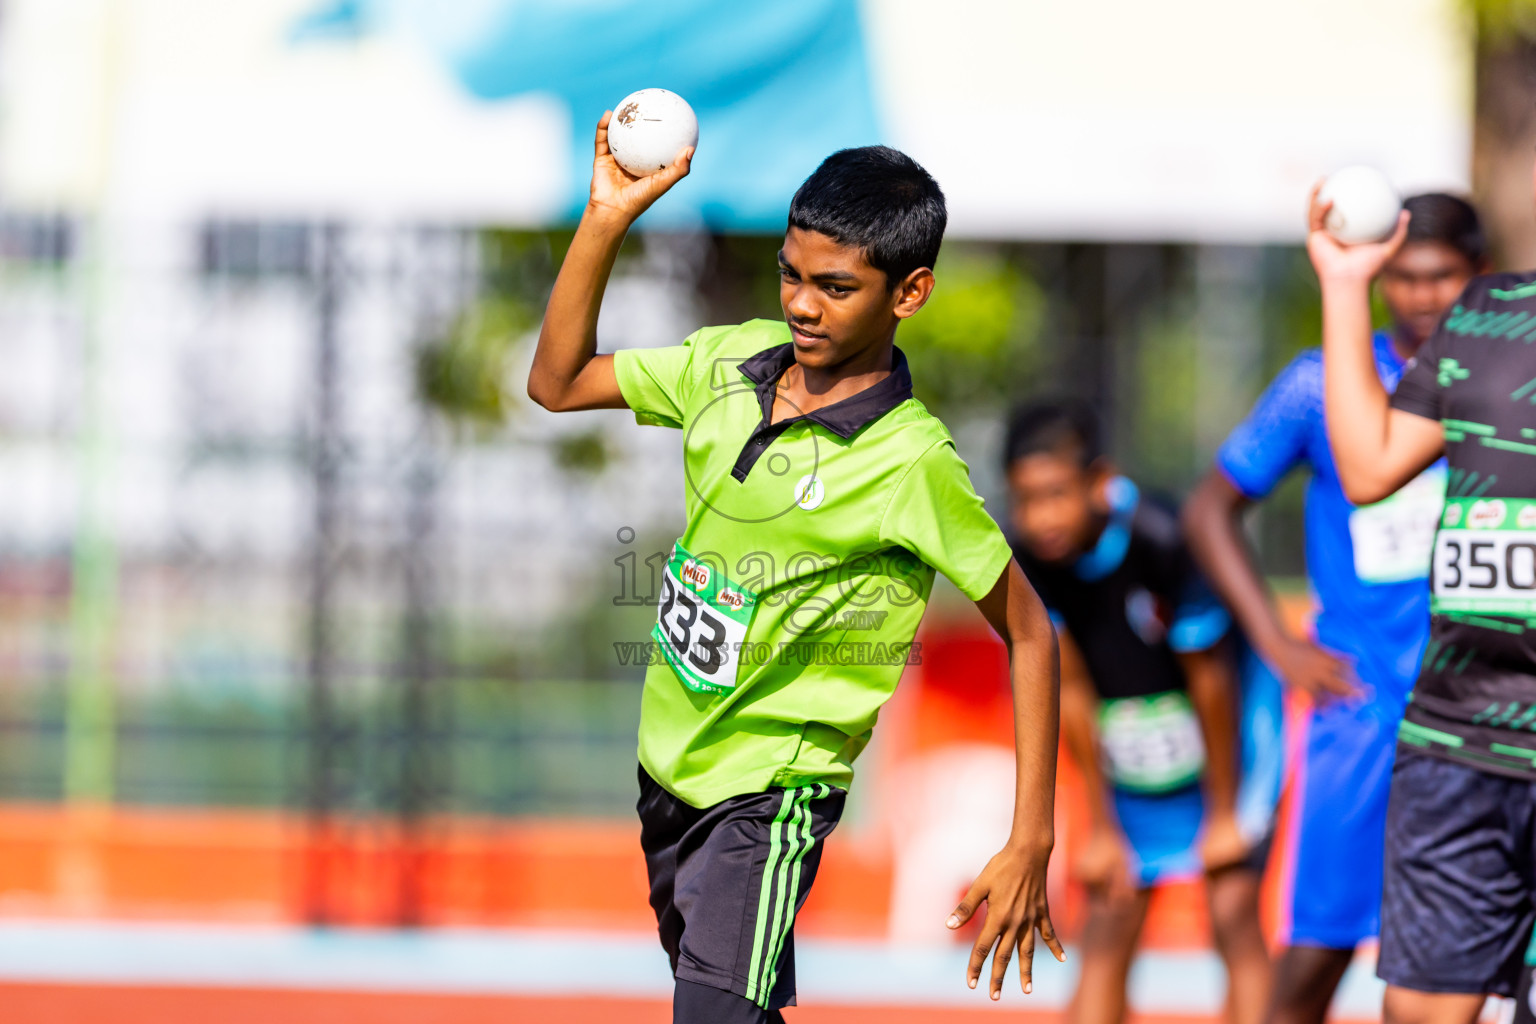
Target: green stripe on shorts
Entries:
(774, 849)
(807, 840)
(763, 970)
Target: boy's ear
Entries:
(912, 291)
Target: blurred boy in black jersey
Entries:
(1151, 702)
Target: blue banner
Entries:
(777, 87)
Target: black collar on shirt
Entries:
(844, 418)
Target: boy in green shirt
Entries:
(822, 497)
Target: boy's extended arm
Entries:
(567, 373)
(1079, 706)
(1212, 682)
(1101, 865)
(1377, 448)
(1213, 529)
(1013, 882)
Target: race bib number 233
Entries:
(701, 622)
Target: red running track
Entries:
(98, 1004)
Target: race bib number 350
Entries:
(1485, 557)
(1151, 744)
(701, 623)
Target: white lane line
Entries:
(542, 962)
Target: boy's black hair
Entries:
(1067, 428)
(880, 200)
(1449, 220)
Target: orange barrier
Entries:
(253, 866)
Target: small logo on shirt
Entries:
(809, 492)
(1526, 518)
(731, 599)
(1486, 515)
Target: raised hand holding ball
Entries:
(1370, 228)
(649, 128)
(1365, 205)
(641, 150)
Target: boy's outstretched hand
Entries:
(1333, 260)
(1013, 887)
(616, 191)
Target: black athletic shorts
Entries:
(1457, 908)
(727, 881)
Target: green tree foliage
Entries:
(973, 347)
(462, 374)
(1502, 21)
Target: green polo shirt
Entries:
(789, 604)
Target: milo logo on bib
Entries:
(695, 574)
(701, 623)
(1485, 558)
(1486, 515)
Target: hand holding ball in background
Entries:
(642, 150)
(1363, 205)
(1355, 224)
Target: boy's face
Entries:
(1420, 283)
(836, 303)
(1055, 504)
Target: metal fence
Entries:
(276, 530)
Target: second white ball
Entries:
(649, 128)
(1365, 205)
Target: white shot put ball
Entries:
(649, 128)
(1365, 205)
